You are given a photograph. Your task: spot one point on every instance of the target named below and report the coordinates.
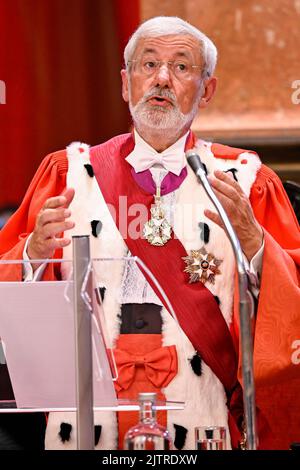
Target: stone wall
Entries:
(259, 56)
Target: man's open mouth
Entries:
(160, 100)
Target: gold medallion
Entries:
(157, 230)
(202, 266)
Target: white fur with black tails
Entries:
(204, 395)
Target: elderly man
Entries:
(167, 80)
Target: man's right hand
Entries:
(50, 223)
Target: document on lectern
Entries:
(37, 333)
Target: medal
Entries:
(202, 266)
(157, 230)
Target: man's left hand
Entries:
(239, 211)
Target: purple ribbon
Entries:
(169, 183)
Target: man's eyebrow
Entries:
(150, 50)
(182, 54)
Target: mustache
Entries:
(163, 92)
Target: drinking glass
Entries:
(210, 437)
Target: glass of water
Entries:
(210, 438)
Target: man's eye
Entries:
(149, 64)
(181, 67)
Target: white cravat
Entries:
(144, 157)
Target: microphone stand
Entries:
(246, 307)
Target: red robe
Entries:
(277, 326)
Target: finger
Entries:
(228, 178)
(69, 194)
(55, 202)
(63, 200)
(55, 243)
(214, 217)
(52, 244)
(53, 215)
(53, 229)
(224, 188)
(62, 242)
(229, 205)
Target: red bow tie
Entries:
(160, 365)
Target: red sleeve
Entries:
(277, 327)
(49, 181)
(278, 315)
(274, 212)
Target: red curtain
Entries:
(60, 61)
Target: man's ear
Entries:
(125, 91)
(210, 85)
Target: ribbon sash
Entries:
(196, 309)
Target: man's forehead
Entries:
(173, 44)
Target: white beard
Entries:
(155, 118)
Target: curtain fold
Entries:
(61, 62)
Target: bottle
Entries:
(147, 434)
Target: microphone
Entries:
(195, 163)
(246, 304)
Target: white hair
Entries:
(167, 25)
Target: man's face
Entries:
(164, 97)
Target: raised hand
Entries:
(239, 211)
(51, 221)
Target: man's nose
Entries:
(163, 75)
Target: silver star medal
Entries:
(157, 230)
